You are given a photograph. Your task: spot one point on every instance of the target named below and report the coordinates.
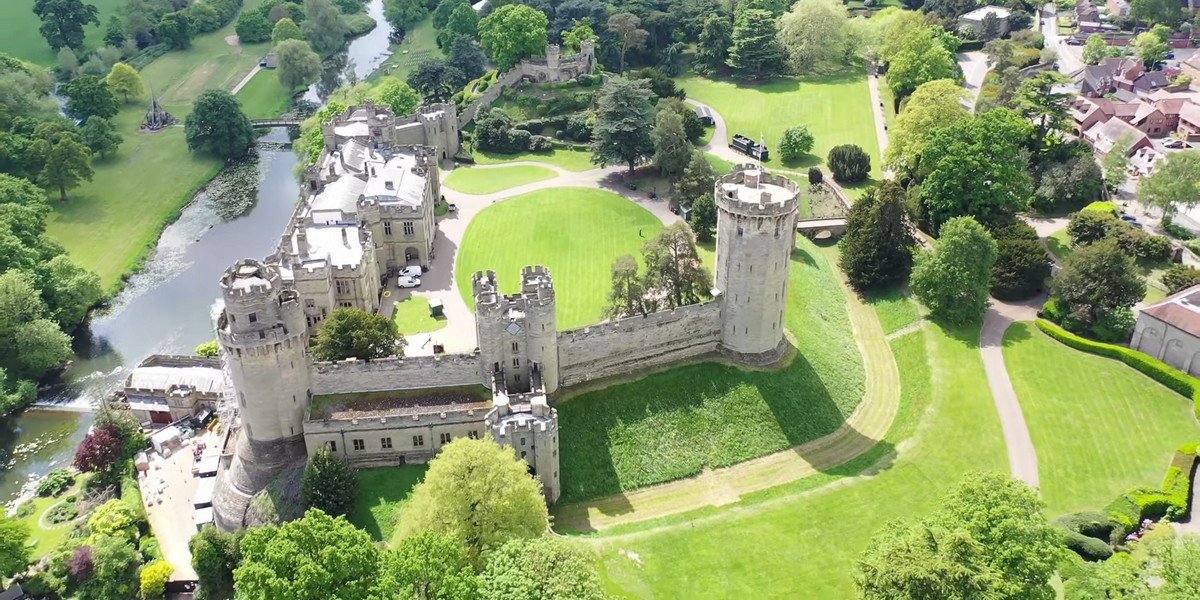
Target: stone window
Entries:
(342, 286)
(346, 304)
(516, 363)
(387, 228)
(418, 441)
(444, 439)
(385, 443)
(332, 445)
(473, 434)
(522, 442)
(358, 445)
(516, 347)
(408, 228)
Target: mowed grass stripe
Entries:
(1099, 426)
(486, 181)
(577, 232)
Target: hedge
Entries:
(1173, 378)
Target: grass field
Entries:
(809, 541)
(896, 308)
(571, 160)
(263, 97)
(675, 423)
(412, 316)
(1059, 244)
(1099, 426)
(419, 44)
(837, 110)
(577, 232)
(19, 35)
(486, 181)
(381, 492)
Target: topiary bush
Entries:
(815, 176)
(849, 163)
(1089, 548)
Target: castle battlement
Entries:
(249, 279)
(750, 191)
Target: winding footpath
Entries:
(1022, 457)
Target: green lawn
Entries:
(720, 165)
(805, 544)
(836, 109)
(412, 316)
(419, 43)
(19, 35)
(47, 538)
(896, 308)
(1059, 244)
(486, 181)
(263, 97)
(675, 423)
(577, 232)
(1099, 426)
(571, 160)
(381, 492)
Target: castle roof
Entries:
(337, 245)
(394, 181)
(338, 201)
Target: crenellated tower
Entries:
(518, 333)
(756, 232)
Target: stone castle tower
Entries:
(518, 333)
(756, 232)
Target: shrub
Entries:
(1154, 248)
(815, 176)
(849, 163)
(796, 142)
(1114, 325)
(1176, 231)
(55, 482)
(1088, 226)
(1180, 277)
(1087, 547)
(154, 578)
(1091, 524)
(1054, 310)
(1021, 268)
(62, 512)
(539, 143)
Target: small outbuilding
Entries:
(1169, 330)
(973, 21)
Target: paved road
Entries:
(974, 67)
(719, 144)
(1068, 57)
(1022, 458)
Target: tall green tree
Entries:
(920, 57)
(1098, 279)
(464, 22)
(403, 14)
(63, 21)
(796, 141)
(672, 150)
(1095, 49)
(1156, 12)
(297, 64)
(817, 38)
(546, 568)
(877, 250)
(477, 492)
(624, 120)
(215, 554)
(703, 218)
(124, 81)
(324, 26)
(329, 484)
(428, 566)
(934, 104)
(1037, 100)
(88, 95)
(253, 27)
(99, 135)
(580, 32)
(626, 27)
(397, 95)
(175, 30)
(115, 563)
(465, 55)
(316, 556)
(1174, 184)
(674, 275)
(353, 333)
(218, 126)
(952, 279)
(626, 297)
(755, 52)
(285, 29)
(712, 53)
(511, 33)
(436, 80)
(696, 182)
(14, 547)
(441, 14)
(67, 164)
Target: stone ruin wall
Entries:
(535, 69)
(395, 373)
(636, 343)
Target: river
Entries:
(166, 308)
(358, 61)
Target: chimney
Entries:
(301, 240)
(345, 238)
(389, 185)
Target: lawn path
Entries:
(868, 424)
(1022, 457)
(241, 84)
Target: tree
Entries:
(316, 556)
(1174, 184)
(99, 450)
(124, 81)
(1022, 266)
(329, 484)
(672, 150)
(511, 33)
(68, 63)
(324, 26)
(204, 17)
(66, 165)
(63, 21)
(477, 492)
(932, 105)
(436, 80)
(796, 142)
(975, 167)
(1180, 277)
(297, 64)
(696, 182)
(849, 163)
(215, 554)
(464, 22)
(693, 127)
(989, 28)
(353, 333)
(1116, 163)
(286, 29)
(88, 95)
(674, 275)
(755, 52)
(624, 119)
(1160, 12)
(1095, 50)
(920, 57)
(580, 32)
(209, 349)
(441, 14)
(115, 568)
(627, 296)
(952, 279)
(154, 578)
(397, 95)
(814, 33)
(100, 136)
(14, 548)
(218, 126)
(625, 26)
(466, 56)
(1151, 48)
(712, 53)
(1097, 279)
(403, 14)
(427, 565)
(114, 32)
(543, 568)
(175, 30)
(877, 250)
(1037, 101)
(252, 27)
(703, 218)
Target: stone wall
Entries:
(633, 344)
(1167, 343)
(396, 373)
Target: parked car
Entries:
(1173, 143)
(411, 271)
(451, 207)
(1132, 220)
(1075, 41)
(408, 282)
(1171, 55)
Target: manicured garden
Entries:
(19, 35)
(381, 493)
(675, 423)
(487, 181)
(1099, 426)
(836, 109)
(577, 232)
(35, 515)
(412, 316)
(809, 541)
(571, 160)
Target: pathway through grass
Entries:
(486, 181)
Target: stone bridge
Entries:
(822, 229)
(275, 122)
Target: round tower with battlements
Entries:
(756, 229)
(518, 333)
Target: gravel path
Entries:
(1022, 457)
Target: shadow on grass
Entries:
(381, 491)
